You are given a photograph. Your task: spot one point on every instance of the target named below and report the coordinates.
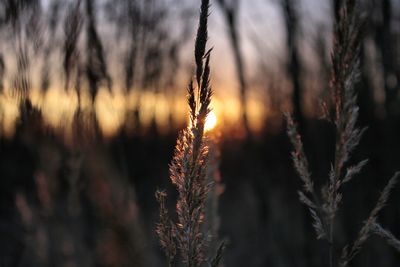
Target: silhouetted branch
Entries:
(230, 12)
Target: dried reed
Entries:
(345, 72)
(188, 169)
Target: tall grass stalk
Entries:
(188, 169)
(345, 72)
(387, 235)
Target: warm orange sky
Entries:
(262, 36)
(58, 108)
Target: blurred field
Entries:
(93, 96)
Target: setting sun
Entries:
(211, 121)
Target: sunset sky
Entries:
(262, 36)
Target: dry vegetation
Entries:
(345, 72)
(72, 196)
(188, 170)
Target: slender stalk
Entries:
(188, 169)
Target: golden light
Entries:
(211, 121)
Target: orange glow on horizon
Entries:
(211, 121)
(58, 109)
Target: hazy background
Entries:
(92, 97)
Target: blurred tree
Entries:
(230, 10)
(336, 8)
(96, 65)
(2, 72)
(385, 42)
(291, 23)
